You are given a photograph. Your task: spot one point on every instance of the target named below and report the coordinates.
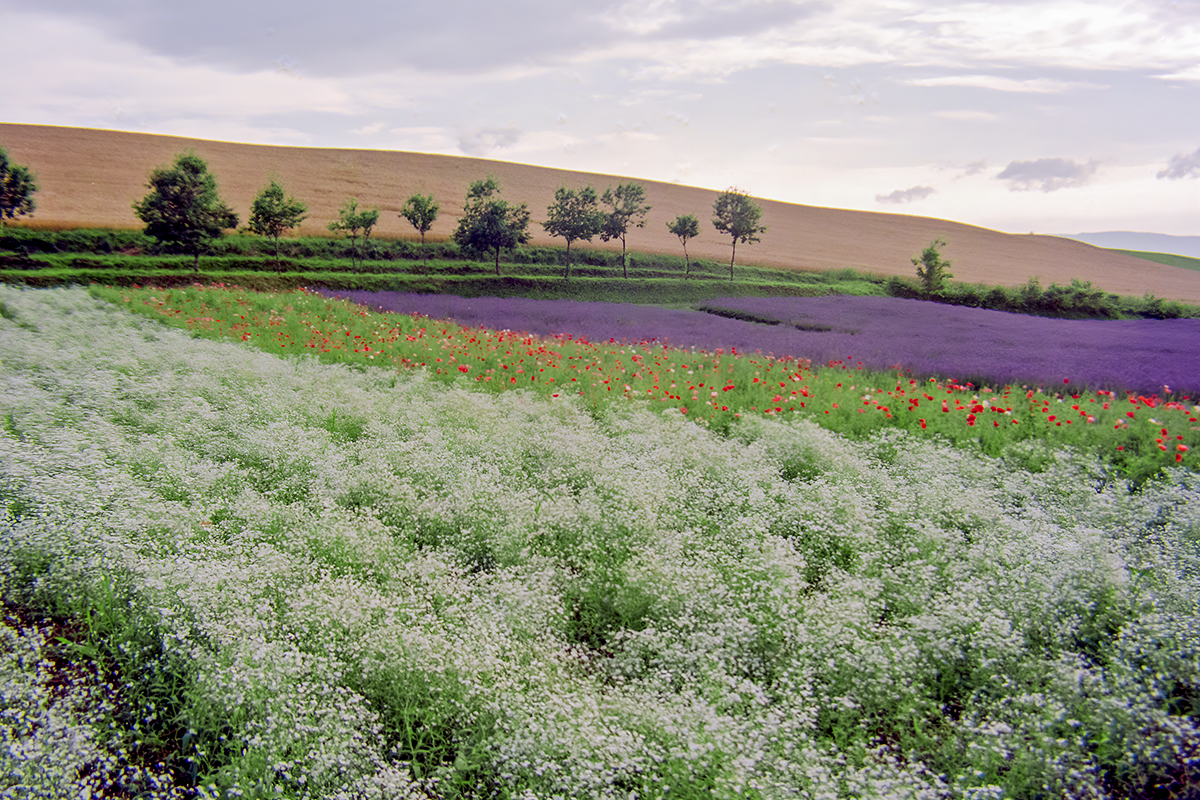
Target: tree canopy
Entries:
(489, 223)
(17, 187)
(272, 213)
(736, 215)
(627, 203)
(182, 207)
(685, 226)
(932, 269)
(422, 211)
(574, 216)
(350, 220)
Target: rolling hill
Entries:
(90, 178)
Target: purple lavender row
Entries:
(968, 344)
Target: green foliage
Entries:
(45, 258)
(489, 223)
(350, 221)
(932, 269)
(736, 215)
(272, 213)
(421, 211)
(17, 187)
(685, 226)
(1076, 300)
(1170, 259)
(627, 203)
(574, 216)
(183, 208)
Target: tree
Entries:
(272, 214)
(685, 226)
(489, 223)
(737, 215)
(351, 220)
(574, 215)
(421, 210)
(932, 269)
(17, 186)
(626, 204)
(182, 207)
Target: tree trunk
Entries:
(687, 264)
(731, 258)
(497, 260)
(196, 262)
(624, 268)
(567, 273)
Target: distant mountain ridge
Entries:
(1145, 242)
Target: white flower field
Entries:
(232, 574)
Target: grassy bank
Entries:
(45, 258)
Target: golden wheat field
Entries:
(90, 177)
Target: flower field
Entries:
(1138, 434)
(258, 565)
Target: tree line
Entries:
(184, 210)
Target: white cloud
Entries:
(1182, 166)
(485, 141)
(1187, 74)
(906, 195)
(1002, 84)
(1047, 174)
(968, 116)
(369, 130)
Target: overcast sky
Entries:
(1055, 117)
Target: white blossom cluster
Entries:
(374, 586)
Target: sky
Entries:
(1047, 117)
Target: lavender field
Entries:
(879, 332)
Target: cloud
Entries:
(1047, 174)
(484, 141)
(451, 36)
(368, 130)
(906, 195)
(1182, 166)
(999, 84)
(967, 116)
(1191, 73)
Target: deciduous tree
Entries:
(17, 187)
(685, 226)
(489, 223)
(421, 210)
(574, 216)
(735, 214)
(183, 208)
(932, 269)
(627, 203)
(351, 221)
(272, 213)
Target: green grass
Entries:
(42, 258)
(1170, 259)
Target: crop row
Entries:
(1137, 434)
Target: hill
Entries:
(91, 177)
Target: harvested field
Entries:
(90, 178)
